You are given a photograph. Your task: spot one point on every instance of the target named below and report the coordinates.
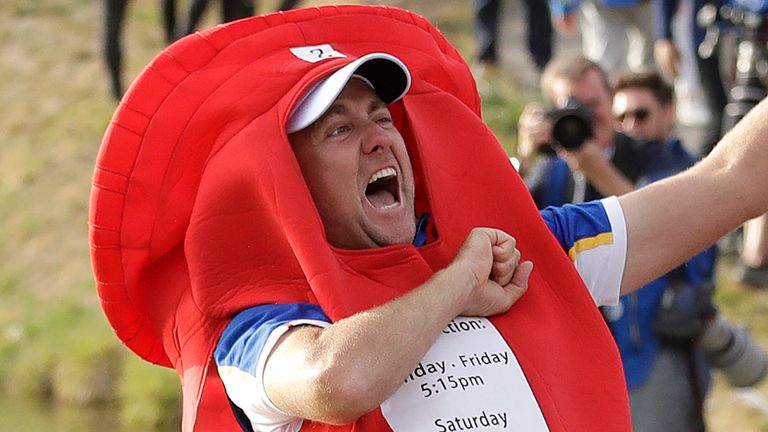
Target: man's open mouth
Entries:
(383, 190)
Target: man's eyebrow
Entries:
(334, 109)
(375, 105)
(338, 108)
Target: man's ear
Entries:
(669, 110)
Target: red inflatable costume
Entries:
(199, 210)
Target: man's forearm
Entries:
(671, 220)
(605, 177)
(339, 373)
(352, 366)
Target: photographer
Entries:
(748, 21)
(657, 338)
(607, 163)
(661, 367)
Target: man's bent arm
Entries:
(598, 170)
(673, 219)
(338, 373)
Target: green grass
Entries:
(149, 397)
(54, 107)
(55, 344)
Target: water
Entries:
(21, 415)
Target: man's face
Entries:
(592, 92)
(639, 114)
(357, 169)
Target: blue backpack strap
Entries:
(559, 184)
(550, 182)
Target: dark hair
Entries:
(652, 81)
(570, 69)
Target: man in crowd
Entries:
(659, 373)
(608, 164)
(668, 58)
(752, 266)
(617, 34)
(303, 255)
(539, 35)
(367, 131)
(663, 365)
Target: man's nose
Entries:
(375, 138)
(628, 123)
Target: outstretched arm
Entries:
(338, 373)
(673, 219)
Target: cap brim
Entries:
(388, 76)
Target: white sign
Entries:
(316, 53)
(468, 381)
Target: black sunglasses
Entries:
(640, 114)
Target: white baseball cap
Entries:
(388, 76)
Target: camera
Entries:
(748, 19)
(571, 124)
(733, 351)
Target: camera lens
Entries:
(571, 131)
(571, 124)
(733, 351)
